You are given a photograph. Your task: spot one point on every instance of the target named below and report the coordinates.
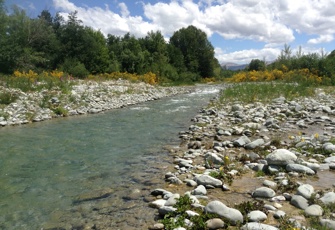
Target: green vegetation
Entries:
(249, 206)
(223, 174)
(264, 92)
(176, 219)
(7, 97)
(306, 69)
(51, 42)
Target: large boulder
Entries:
(281, 157)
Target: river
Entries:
(91, 171)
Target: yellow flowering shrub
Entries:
(31, 75)
(149, 78)
(293, 75)
(208, 80)
(56, 74)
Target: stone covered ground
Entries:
(253, 166)
(83, 97)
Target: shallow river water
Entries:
(81, 171)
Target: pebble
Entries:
(256, 216)
(207, 180)
(299, 168)
(215, 223)
(200, 190)
(264, 192)
(305, 190)
(279, 214)
(328, 198)
(281, 157)
(314, 210)
(299, 202)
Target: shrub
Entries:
(7, 98)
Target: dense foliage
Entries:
(50, 42)
(308, 68)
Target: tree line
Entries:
(50, 42)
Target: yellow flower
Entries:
(226, 160)
(316, 135)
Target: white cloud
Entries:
(245, 56)
(267, 21)
(321, 39)
(107, 21)
(124, 9)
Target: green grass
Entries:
(42, 82)
(7, 98)
(265, 92)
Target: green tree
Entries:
(114, 49)
(97, 59)
(130, 55)
(158, 58)
(256, 65)
(21, 34)
(197, 51)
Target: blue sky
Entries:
(239, 30)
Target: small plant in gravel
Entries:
(222, 174)
(7, 98)
(260, 173)
(176, 219)
(314, 223)
(290, 186)
(60, 111)
(5, 115)
(248, 206)
(286, 224)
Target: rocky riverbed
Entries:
(83, 97)
(253, 166)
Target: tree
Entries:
(197, 51)
(157, 53)
(130, 55)
(97, 59)
(256, 65)
(19, 37)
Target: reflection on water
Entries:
(45, 166)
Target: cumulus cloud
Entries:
(321, 39)
(245, 56)
(107, 21)
(267, 21)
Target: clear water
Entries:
(45, 166)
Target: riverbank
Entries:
(82, 97)
(253, 166)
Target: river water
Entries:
(91, 171)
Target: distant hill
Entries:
(233, 66)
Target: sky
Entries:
(239, 30)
